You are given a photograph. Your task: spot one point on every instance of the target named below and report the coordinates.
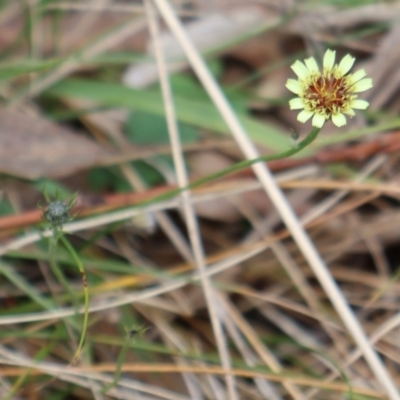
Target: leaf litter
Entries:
(270, 302)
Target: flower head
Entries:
(57, 212)
(327, 94)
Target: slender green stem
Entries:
(75, 256)
(238, 166)
(56, 269)
(120, 361)
(247, 163)
(57, 233)
(234, 168)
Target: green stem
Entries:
(237, 167)
(120, 361)
(247, 163)
(57, 270)
(75, 256)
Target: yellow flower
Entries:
(327, 94)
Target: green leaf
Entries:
(146, 128)
(23, 67)
(198, 112)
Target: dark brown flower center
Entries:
(327, 93)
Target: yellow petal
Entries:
(300, 69)
(311, 64)
(304, 116)
(357, 76)
(349, 112)
(363, 85)
(339, 120)
(318, 120)
(294, 86)
(329, 59)
(346, 64)
(359, 104)
(296, 104)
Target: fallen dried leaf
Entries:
(32, 147)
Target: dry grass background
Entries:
(205, 295)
